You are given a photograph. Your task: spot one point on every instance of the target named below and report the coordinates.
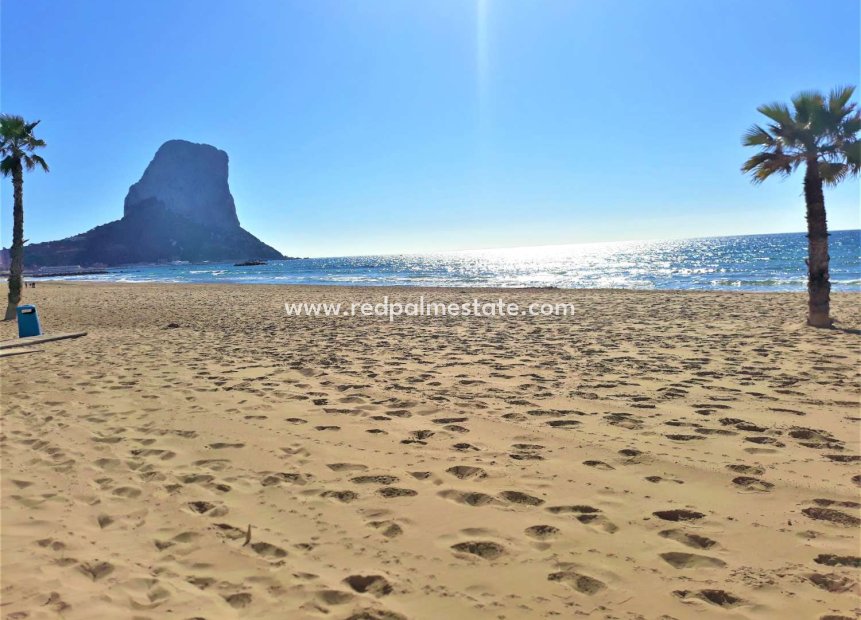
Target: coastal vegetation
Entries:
(820, 133)
(17, 150)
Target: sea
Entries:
(743, 263)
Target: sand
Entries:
(657, 455)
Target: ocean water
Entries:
(747, 263)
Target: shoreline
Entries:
(377, 287)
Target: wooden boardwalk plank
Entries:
(26, 342)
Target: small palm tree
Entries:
(17, 146)
(822, 134)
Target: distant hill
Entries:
(181, 209)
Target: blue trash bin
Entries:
(28, 322)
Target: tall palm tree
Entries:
(821, 133)
(17, 146)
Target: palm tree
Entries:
(822, 134)
(17, 146)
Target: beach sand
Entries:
(656, 455)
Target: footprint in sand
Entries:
(599, 521)
(815, 438)
(542, 532)
(96, 570)
(162, 455)
(231, 532)
(268, 550)
(376, 585)
(684, 437)
(678, 514)
(127, 492)
(677, 559)
(466, 472)
(55, 545)
(767, 441)
(483, 549)
(335, 597)
(656, 479)
(518, 497)
(341, 496)
(389, 529)
(213, 464)
(526, 456)
(751, 484)
(578, 581)
(632, 456)
(721, 598)
(346, 467)
(474, 498)
(832, 516)
(832, 582)
(563, 423)
(749, 470)
(599, 465)
(691, 540)
(831, 559)
(449, 420)
(286, 477)
(104, 520)
(844, 458)
(239, 600)
(374, 479)
(577, 509)
(207, 508)
(392, 492)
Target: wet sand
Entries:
(657, 455)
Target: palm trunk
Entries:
(16, 263)
(818, 283)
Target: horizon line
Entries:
(560, 245)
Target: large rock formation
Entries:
(181, 209)
(189, 179)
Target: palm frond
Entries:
(757, 136)
(852, 154)
(765, 164)
(833, 173)
(815, 128)
(40, 162)
(7, 165)
(851, 126)
(839, 97)
(807, 105)
(778, 112)
(17, 143)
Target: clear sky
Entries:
(381, 126)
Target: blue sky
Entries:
(380, 126)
